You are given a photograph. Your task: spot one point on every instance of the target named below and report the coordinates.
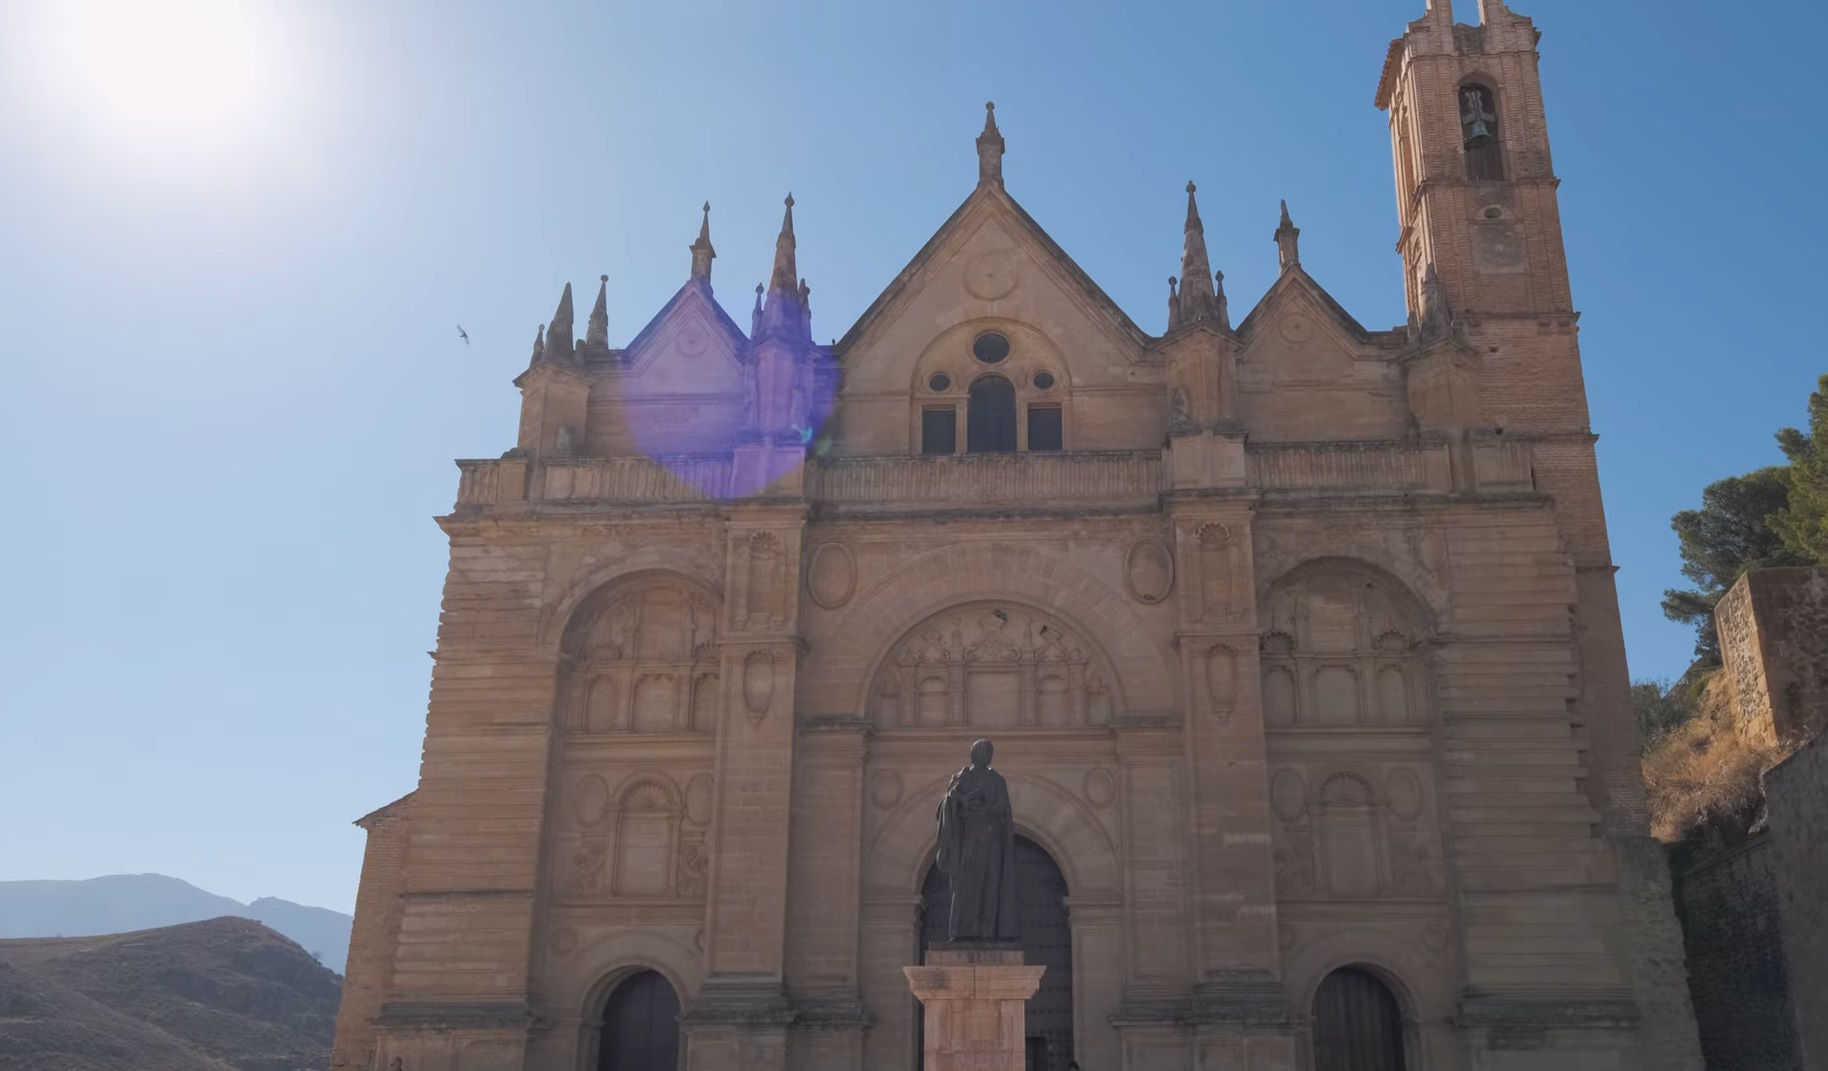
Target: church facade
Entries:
(1298, 641)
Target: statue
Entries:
(977, 853)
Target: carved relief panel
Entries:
(647, 663)
(1355, 834)
(992, 666)
(1339, 650)
(643, 840)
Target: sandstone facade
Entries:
(1299, 642)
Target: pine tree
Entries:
(1803, 522)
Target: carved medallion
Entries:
(1100, 787)
(758, 683)
(592, 801)
(832, 576)
(1295, 328)
(698, 800)
(1149, 571)
(1288, 794)
(992, 276)
(1221, 680)
(692, 340)
(1405, 794)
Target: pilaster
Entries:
(740, 1016)
(1234, 897)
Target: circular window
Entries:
(990, 348)
(939, 382)
(1044, 380)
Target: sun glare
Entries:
(176, 77)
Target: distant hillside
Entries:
(223, 995)
(122, 902)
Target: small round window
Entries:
(990, 348)
(1044, 380)
(940, 381)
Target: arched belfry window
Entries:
(1479, 133)
(990, 417)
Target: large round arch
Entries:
(1047, 940)
(849, 649)
(992, 665)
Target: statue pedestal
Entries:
(974, 1002)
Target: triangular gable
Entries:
(694, 292)
(993, 198)
(1296, 280)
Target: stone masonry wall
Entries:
(1797, 794)
(1727, 900)
(1773, 627)
(371, 939)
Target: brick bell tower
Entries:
(1479, 232)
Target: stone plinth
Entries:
(974, 1001)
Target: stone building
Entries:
(1299, 641)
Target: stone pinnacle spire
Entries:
(784, 310)
(702, 253)
(539, 346)
(1288, 241)
(558, 334)
(596, 332)
(782, 279)
(1174, 304)
(990, 149)
(1196, 299)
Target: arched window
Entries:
(640, 1026)
(1358, 1025)
(1479, 133)
(990, 417)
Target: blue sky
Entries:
(237, 247)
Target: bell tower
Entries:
(1479, 231)
(1475, 188)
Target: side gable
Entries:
(1308, 371)
(676, 388)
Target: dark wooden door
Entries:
(1047, 940)
(640, 1026)
(1357, 1024)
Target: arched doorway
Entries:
(1047, 940)
(1358, 1024)
(640, 1026)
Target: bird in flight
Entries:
(465, 335)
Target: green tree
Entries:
(1659, 707)
(1731, 533)
(1803, 523)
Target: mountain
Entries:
(224, 995)
(121, 902)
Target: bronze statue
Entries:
(977, 853)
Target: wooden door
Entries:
(1357, 1024)
(640, 1026)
